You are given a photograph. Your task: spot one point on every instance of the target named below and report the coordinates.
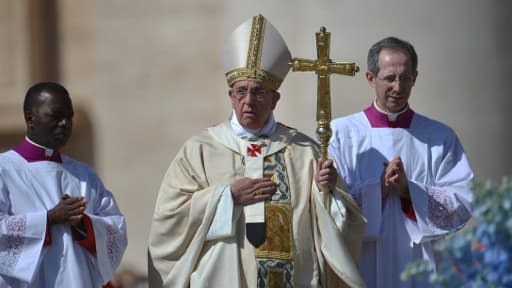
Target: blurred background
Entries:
(146, 75)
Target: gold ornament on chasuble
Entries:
(275, 255)
(278, 213)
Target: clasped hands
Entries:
(69, 210)
(393, 177)
(246, 190)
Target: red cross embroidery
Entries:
(254, 150)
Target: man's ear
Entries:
(370, 78)
(415, 77)
(275, 98)
(29, 118)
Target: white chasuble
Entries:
(262, 157)
(293, 254)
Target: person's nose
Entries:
(249, 98)
(396, 85)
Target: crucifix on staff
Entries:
(323, 66)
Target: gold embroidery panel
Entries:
(278, 213)
(278, 243)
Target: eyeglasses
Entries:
(258, 94)
(391, 79)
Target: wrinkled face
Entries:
(51, 120)
(394, 82)
(252, 103)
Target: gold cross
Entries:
(323, 67)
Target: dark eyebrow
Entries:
(399, 76)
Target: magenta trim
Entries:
(378, 119)
(32, 153)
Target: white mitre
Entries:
(256, 51)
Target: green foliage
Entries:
(480, 255)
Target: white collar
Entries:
(240, 131)
(391, 116)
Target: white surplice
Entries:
(27, 192)
(439, 183)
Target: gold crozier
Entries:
(323, 67)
